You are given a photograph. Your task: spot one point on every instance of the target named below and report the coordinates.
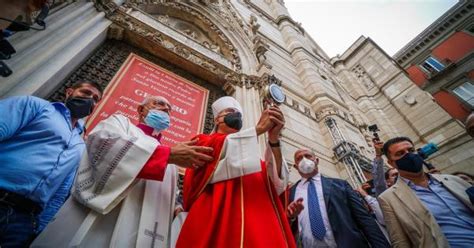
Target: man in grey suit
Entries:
(421, 209)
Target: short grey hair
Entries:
(304, 150)
(152, 98)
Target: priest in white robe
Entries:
(125, 188)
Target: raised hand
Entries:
(295, 208)
(378, 145)
(277, 117)
(264, 123)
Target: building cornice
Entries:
(442, 26)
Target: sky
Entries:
(336, 24)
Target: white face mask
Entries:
(306, 166)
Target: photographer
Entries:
(381, 180)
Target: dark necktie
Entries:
(315, 217)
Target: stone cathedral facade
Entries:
(236, 47)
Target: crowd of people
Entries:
(118, 187)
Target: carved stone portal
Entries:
(106, 61)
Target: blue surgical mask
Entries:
(157, 119)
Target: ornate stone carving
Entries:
(225, 47)
(229, 88)
(325, 112)
(106, 6)
(165, 19)
(409, 99)
(109, 57)
(362, 77)
(307, 110)
(212, 46)
(254, 26)
(236, 17)
(137, 27)
(190, 33)
(213, 28)
(295, 105)
(115, 32)
(260, 46)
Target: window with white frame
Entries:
(432, 65)
(465, 92)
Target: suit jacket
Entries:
(351, 223)
(409, 222)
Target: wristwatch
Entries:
(276, 144)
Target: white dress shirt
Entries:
(304, 226)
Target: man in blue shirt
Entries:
(40, 150)
(422, 209)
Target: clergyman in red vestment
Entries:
(233, 201)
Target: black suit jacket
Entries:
(351, 223)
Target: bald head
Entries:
(302, 151)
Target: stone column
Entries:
(318, 91)
(45, 58)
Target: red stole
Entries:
(241, 212)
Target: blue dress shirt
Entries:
(455, 219)
(39, 149)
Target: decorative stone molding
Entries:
(363, 77)
(260, 47)
(328, 111)
(409, 99)
(106, 6)
(236, 16)
(248, 82)
(130, 23)
(450, 21)
(284, 18)
(189, 10)
(260, 12)
(253, 23)
(115, 32)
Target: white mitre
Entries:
(225, 102)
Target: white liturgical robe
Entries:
(109, 206)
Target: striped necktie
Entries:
(316, 219)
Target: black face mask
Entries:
(411, 162)
(80, 107)
(233, 120)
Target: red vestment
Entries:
(155, 167)
(240, 212)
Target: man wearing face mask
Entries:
(125, 188)
(421, 209)
(233, 200)
(40, 150)
(333, 214)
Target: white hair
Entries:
(152, 98)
